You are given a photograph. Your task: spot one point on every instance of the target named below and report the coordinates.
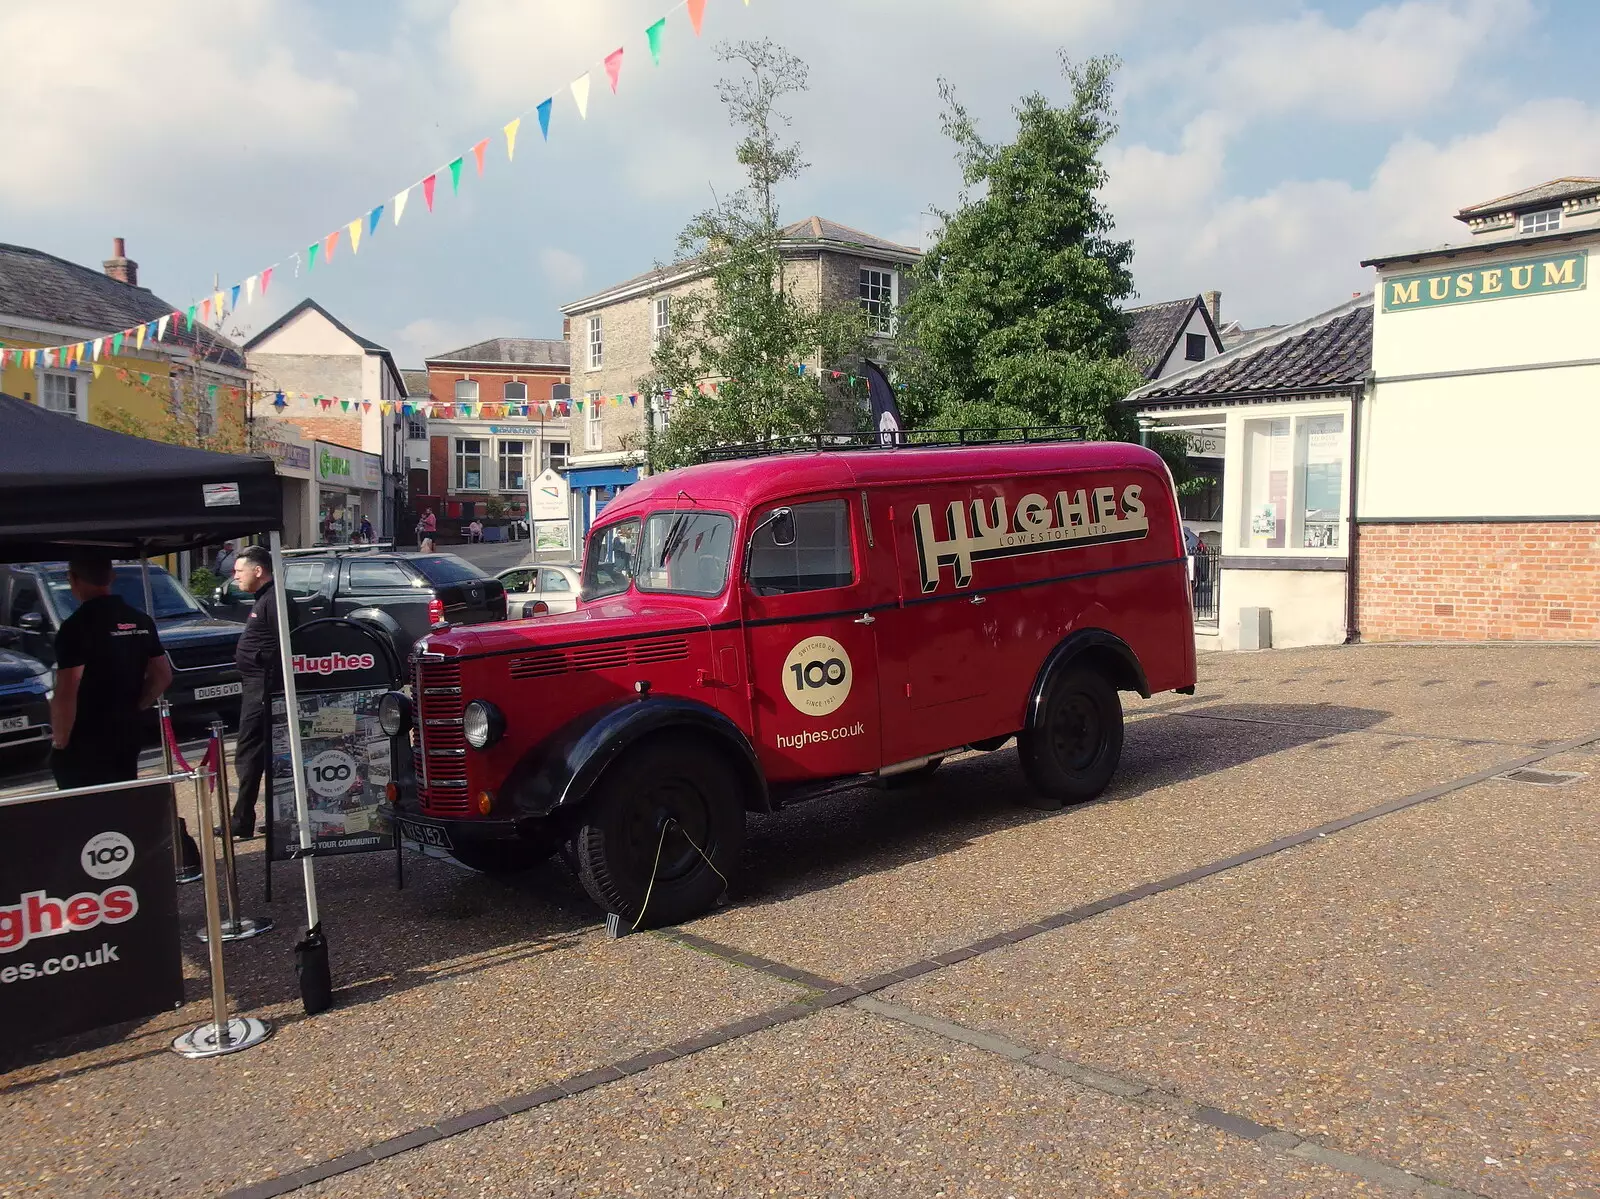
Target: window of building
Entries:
(416, 427)
(661, 317)
(1293, 483)
(597, 347)
(466, 391)
(660, 413)
(469, 464)
(513, 466)
(593, 434)
(1194, 347)
(819, 558)
(1541, 222)
(555, 455)
(515, 393)
(879, 295)
(61, 393)
(1203, 502)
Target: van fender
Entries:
(561, 772)
(1107, 652)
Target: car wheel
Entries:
(651, 825)
(1071, 752)
(500, 857)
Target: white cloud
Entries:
(1296, 248)
(426, 335)
(1392, 60)
(563, 269)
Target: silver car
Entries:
(553, 584)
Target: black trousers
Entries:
(250, 750)
(93, 765)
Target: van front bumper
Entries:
(448, 834)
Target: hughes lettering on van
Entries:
(765, 628)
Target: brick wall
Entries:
(1534, 581)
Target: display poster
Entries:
(552, 535)
(550, 497)
(88, 913)
(347, 773)
(1264, 520)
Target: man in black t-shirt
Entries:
(258, 663)
(109, 667)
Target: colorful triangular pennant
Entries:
(580, 93)
(697, 13)
(455, 176)
(477, 153)
(614, 68)
(400, 199)
(355, 235)
(427, 190)
(511, 138)
(544, 117)
(654, 34)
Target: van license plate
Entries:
(220, 690)
(424, 834)
(13, 724)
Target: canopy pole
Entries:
(302, 807)
(161, 720)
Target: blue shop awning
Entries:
(603, 476)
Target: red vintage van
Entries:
(760, 630)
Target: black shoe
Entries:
(243, 832)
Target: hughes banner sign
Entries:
(88, 913)
(1502, 280)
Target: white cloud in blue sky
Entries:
(1266, 147)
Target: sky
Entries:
(1265, 146)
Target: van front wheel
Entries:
(662, 834)
(1071, 752)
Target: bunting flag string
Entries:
(212, 310)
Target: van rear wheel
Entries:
(650, 827)
(1070, 754)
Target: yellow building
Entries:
(97, 346)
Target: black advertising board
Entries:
(342, 668)
(88, 913)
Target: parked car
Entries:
(555, 584)
(25, 687)
(755, 632)
(35, 599)
(402, 594)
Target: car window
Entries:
(608, 562)
(171, 598)
(26, 600)
(553, 580)
(303, 579)
(517, 580)
(819, 558)
(447, 568)
(379, 576)
(686, 553)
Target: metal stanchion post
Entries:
(164, 716)
(235, 927)
(220, 1035)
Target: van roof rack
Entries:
(352, 548)
(906, 439)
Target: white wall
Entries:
(1308, 606)
(1175, 360)
(309, 333)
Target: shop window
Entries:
(513, 465)
(660, 318)
(1194, 347)
(1293, 483)
(515, 393)
(1202, 501)
(597, 346)
(469, 464)
(1540, 222)
(555, 455)
(878, 291)
(593, 433)
(818, 559)
(466, 391)
(60, 393)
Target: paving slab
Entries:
(864, 882)
(454, 993)
(843, 1104)
(1420, 989)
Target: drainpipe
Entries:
(1362, 390)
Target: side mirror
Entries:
(217, 596)
(33, 622)
(783, 527)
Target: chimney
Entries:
(1213, 301)
(119, 266)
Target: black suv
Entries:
(35, 599)
(403, 594)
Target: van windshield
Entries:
(679, 553)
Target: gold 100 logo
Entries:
(816, 676)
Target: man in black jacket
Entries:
(258, 663)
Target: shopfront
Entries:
(349, 487)
(594, 481)
(292, 457)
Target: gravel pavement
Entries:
(1402, 1005)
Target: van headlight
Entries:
(394, 713)
(482, 724)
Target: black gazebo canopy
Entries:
(67, 484)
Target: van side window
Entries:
(303, 579)
(819, 558)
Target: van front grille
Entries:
(441, 762)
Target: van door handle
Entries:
(978, 599)
(866, 618)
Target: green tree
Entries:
(738, 333)
(1014, 316)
